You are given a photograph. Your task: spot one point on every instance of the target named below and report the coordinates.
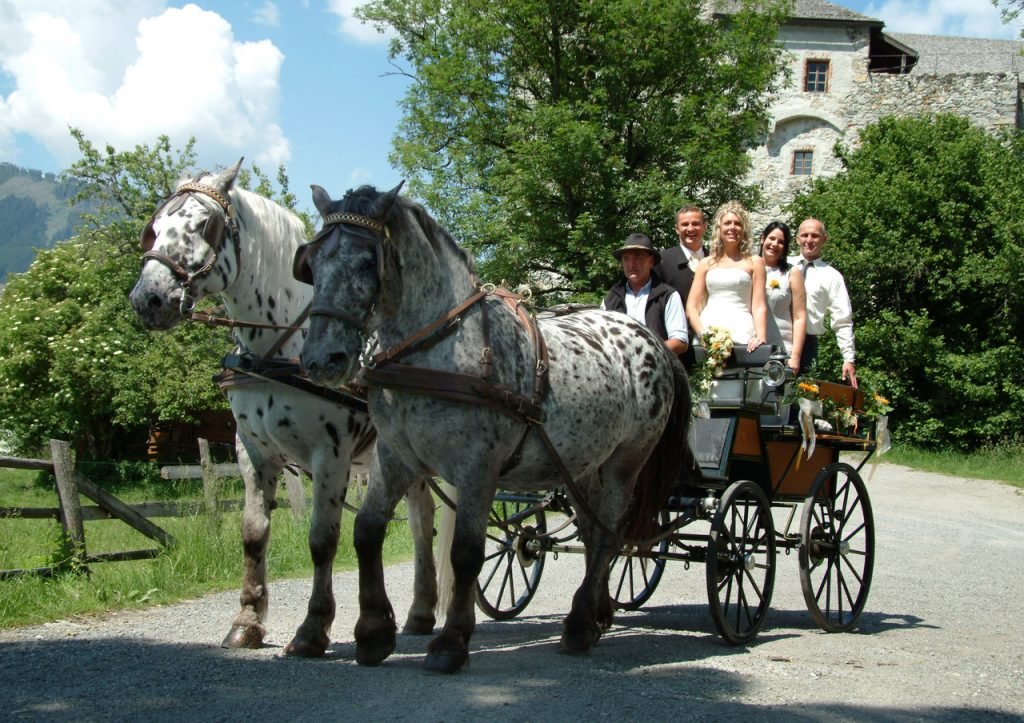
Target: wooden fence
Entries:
(72, 514)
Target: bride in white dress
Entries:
(732, 281)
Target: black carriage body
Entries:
(753, 462)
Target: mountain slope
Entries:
(34, 213)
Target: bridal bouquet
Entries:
(718, 346)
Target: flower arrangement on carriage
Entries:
(822, 407)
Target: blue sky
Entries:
(297, 82)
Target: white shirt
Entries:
(826, 292)
(692, 257)
(675, 319)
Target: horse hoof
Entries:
(578, 643)
(373, 655)
(244, 636)
(374, 642)
(419, 625)
(445, 661)
(306, 648)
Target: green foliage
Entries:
(74, 362)
(1010, 10)
(542, 134)
(924, 222)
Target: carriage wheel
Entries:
(511, 570)
(837, 548)
(741, 562)
(633, 579)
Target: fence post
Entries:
(296, 492)
(70, 504)
(211, 483)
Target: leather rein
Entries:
(382, 370)
(245, 367)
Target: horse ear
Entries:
(388, 200)
(321, 199)
(226, 178)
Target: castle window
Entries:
(816, 76)
(803, 163)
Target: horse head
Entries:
(190, 249)
(351, 265)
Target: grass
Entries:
(207, 556)
(1002, 463)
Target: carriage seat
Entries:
(741, 386)
(740, 357)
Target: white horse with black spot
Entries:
(209, 238)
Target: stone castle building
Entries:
(847, 72)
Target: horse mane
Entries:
(283, 232)
(408, 217)
(280, 229)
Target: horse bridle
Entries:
(218, 227)
(301, 270)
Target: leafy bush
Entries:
(925, 224)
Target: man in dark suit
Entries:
(679, 262)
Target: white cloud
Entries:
(268, 15)
(350, 26)
(967, 18)
(127, 71)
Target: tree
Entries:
(74, 361)
(1010, 10)
(541, 134)
(924, 221)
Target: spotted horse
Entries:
(213, 238)
(466, 385)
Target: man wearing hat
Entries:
(645, 297)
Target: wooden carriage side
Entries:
(750, 436)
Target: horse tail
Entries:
(665, 465)
(443, 548)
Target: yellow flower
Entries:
(811, 388)
(881, 400)
(773, 284)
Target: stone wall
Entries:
(989, 100)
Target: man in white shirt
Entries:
(645, 297)
(826, 292)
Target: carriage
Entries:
(762, 489)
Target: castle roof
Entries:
(942, 55)
(815, 11)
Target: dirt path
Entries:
(942, 638)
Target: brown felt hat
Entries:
(638, 242)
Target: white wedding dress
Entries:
(780, 307)
(728, 307)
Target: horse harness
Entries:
(380, 369)
(241, 367)
(218, 227)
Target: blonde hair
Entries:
(746, 242)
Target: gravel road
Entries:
(942, 638)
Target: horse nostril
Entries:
(338, 359)
(154, 302)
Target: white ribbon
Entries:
(882, 442)
(808, 408)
